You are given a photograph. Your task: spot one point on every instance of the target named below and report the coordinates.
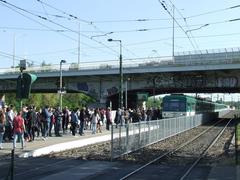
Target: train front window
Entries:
(174, 106)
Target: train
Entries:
(176, 105)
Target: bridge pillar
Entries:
(132, 101)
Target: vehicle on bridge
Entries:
(176, 105)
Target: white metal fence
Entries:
(131, 137)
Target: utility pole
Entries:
(173, 9)
(14, 44)
(61, 84)
(78, 45)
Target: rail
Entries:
(194, 164)
(181, 146)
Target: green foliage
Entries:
(154, 103)
(71, 100)
(74, 100)
(10, 98)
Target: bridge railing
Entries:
(209, 51)
(133, 136)
(94, 65)
(207, 57)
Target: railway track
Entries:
(191, 152)
(178, 160)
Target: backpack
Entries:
(18, 124)
(44, 114)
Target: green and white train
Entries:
(176, 105)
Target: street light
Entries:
(120, 74)
(126, 94)
(61, 62)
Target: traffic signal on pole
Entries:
(24, 83)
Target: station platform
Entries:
(40, 147)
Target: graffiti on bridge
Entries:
(227, 82)
(179, 81)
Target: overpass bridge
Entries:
(209, 71)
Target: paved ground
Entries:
(74, 169)
(54, 144)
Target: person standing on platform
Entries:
(9, 123)
(95, 119)
(30, 125)
(109, 118)
(126, 116)
(118, 117)
(101, 121)
(18, 129)
(82, 117)
(65, 119)
(58, 121)
(33, 122)
(2, 126)
(46, 121)
(87, 119)
(52, 123)
(74, 121)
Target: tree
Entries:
(154, 103)
(71, 100)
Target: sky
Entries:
(50, 30)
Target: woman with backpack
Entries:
(18, 129)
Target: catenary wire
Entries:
(185, 21)
(85, 21)
(163, 5)
(44, 18)
(165, 19)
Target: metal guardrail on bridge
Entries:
(130, 137)
(206, 57)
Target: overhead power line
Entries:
(182, 37)
(17, 58)
(163, 5)
(4, 3)
(85, 21)
(44, 10)
(69, 15)
(185, 21)
(52, 52)
(212, 12)
(46, 19)
(199, 26)
(165, 19)
(11, 6)
(33, 29)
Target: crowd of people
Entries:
(30, 122)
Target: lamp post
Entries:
(126, 92)
(120, 74)
(61, 62)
